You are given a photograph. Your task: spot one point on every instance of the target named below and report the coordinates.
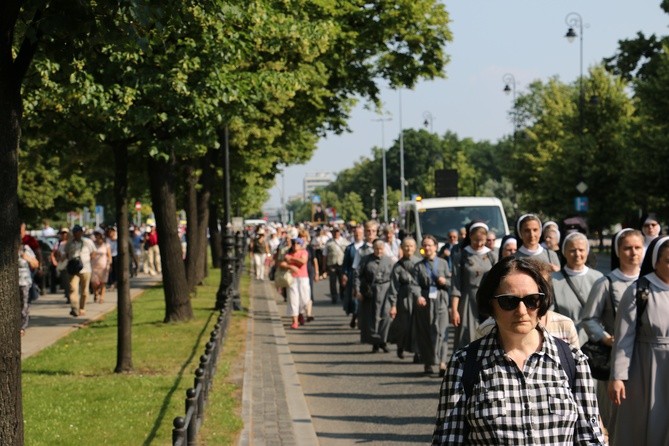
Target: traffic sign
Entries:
(138, 206)
(581, 204)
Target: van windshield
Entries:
(438, 221)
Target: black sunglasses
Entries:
(510, 302)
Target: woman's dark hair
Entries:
(502, 269)
(647, 266)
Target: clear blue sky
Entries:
(490, 38)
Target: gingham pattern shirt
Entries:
(507, 406)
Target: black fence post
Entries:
(227, 270)
(191, 405)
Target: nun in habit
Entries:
(572, 284)
(529, 234)
(649, 225)
(430, 314)
(469, 267)
(640, 356)
(372, 281)
(598, 317)
(402, 293)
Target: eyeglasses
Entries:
(510, 302)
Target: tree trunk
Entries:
(214, 236)
(175, 285)
(11, 420)
(192, 229)
(203, 221)
(203, 199)
(124, 335)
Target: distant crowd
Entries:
(81, 262)
(529, 312)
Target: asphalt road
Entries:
(356, 396)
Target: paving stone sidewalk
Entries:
(50, 319)
(274, 408)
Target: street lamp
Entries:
(509, 88)
(372, 194)
(574, 20)
(401, 150)
(428, 120)
(383, 150)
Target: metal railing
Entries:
(186, 428)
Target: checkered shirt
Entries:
(507, 406)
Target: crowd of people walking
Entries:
(83, 262)
(519, 312)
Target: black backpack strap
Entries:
(573, 288)
(611, 295)
(642, 294)
(470, 374)
(567, 361)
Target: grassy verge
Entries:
(71, 395)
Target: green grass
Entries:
(72, 396)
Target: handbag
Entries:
(599, 359)
(283, 278)
(74, 266)
(599, 355)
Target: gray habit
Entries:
(373, 281)
(642, 360)
(402, 293)
(430, 323)
(468, 271)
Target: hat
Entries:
(77, 228)
(98, 230)
(299, 241)
(260, 231)
(65, 230)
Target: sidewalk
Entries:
(50, 319)
(274, 409)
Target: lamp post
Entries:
(401, 151)
(385, 180)
(510, 88)
(372, 194)
(428, 120)
(574, 20)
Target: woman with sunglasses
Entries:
(572, 284)
(640, 355)
(522, 390)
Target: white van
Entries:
(437, 216)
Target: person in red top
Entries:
(299, 293)
(152, 265)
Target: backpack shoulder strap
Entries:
(567, 361)
(611, 296)
(470, 374)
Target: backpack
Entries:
(470, 374)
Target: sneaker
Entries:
(295, 326)
(74, 313)
(300, 319)
(310, 318)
